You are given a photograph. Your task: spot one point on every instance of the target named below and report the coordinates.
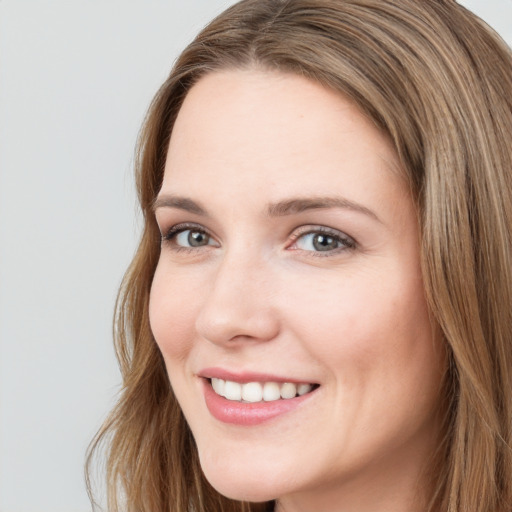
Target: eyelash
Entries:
(170, 236)
(347, 243)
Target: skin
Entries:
(259, 296)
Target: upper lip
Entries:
(247, 376)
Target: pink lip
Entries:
(244, 377)
(241, 413)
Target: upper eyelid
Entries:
(310, 228)
(313, 228)
(304, 229)
(184, 226)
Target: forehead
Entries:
(252, 129)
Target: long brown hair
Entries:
(438, 82)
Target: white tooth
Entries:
(232, 390)
(302, 389)
(218, 386)
(288, 390)
(252, 392)
(271, 391)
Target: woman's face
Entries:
(290, 266)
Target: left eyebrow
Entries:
(180, 203)
(299, 205)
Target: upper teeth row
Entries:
(257, 392)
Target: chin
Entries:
(254, 490)
(251, 483)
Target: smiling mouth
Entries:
(253, 392)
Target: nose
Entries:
(239, 304)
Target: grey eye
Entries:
(192, 238)
(323, 242)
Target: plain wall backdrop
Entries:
(76, 77)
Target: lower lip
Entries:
(248, 414)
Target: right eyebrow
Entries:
(181, 203)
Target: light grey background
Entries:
(76, 77)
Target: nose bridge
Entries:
(238, 304)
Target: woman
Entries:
(318, 316)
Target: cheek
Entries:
(382, 363)
(172, 313)
(365, 326)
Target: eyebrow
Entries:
(299, 205)
(181, 203)
(283, 208)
